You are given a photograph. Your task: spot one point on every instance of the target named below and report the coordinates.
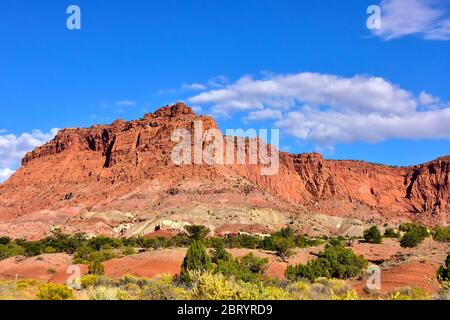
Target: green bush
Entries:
(11, 250)
(161, 289)
(248, 268)
(303, 242)
(390, 233)
(441, 234)
(52, 291)
(406, 227)
(373, 235)
(443, 273)
(104, 293)
(5, 240)
(96, 268)
(283, 247)
(253, 264)
(196, 259)
(219, 253)
(334, 262)
(197, 233)
(414, 236)
(88, 280)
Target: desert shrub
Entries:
(390, 233)
(88, 280)
(11, 250)
(49, 249)
(219, 253)
(96, 268)
(443, 273)
(409, 294)
(197, 233)
(248, 268)
(282, 242)
(86, 254)
(51, 271)
(107, 293)
(303, 242)
(441, 234)
(413, 237)
(406, 227)
(321, 289)
(373, 235)
(52, 291)
(334, 262)
(131, 279)
(102, 242)
(5, 240)
(26, 283)
(161, 289)
(260, 291)
(208, 286)
(181, 240)
(283, 247)
(242, 241)
(331, 289)
(196, 259)
(253, 264)
(128, 251)
(336, 241)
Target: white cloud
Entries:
(425, 18)
(427, 99)
(359, 94)
(264, 114)
(192, 86)
(329, 128)
(218, 81)
(5, 173)
(13, 148)
(328, 109)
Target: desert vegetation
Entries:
(373, 235)
(101, 248)
(414, 234)
(210, 271)
(335, 261)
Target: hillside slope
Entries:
(120, 179)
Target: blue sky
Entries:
(328, 72)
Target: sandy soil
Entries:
(49, 267)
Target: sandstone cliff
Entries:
(127, 167)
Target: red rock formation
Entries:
(127, 166)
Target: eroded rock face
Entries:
(127, 166)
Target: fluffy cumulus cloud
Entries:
(427, 99)
(329, 128)
(328, 109)
(425, 18)
(13, 148)
(359, 94)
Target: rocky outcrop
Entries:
(127, 166)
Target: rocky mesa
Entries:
(120, 179)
